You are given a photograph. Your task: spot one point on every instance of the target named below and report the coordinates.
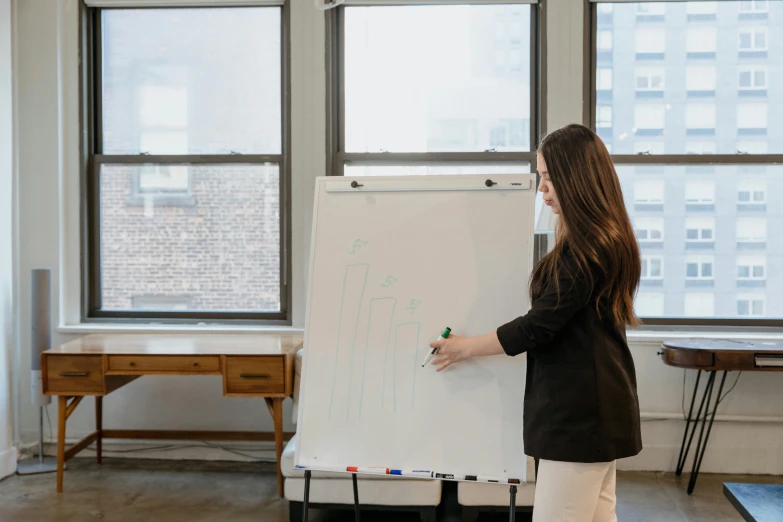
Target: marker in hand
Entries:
(443, 336)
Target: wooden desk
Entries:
(252, 365)
(756, 502)
(712, 356)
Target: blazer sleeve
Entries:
(548, 314)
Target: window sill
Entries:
(206, 328)
(655, 335)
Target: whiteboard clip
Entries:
(489, 183)
(356, 184)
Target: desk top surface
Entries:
(182, 344)
(756, 502)
(724, 345)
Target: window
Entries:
(699, 267)
(190, 170)
(752, 78)
(699, 305)
(649, 79)
(648, 147)
(649, 118)
(604, 79)
(648, 304)
(751, 269)
(751, 230)
(701, 8)
(752, 147)
(649, 230)
(604, 117)
(652, 267)
(605, 8)
(699, 193)
(751, 305)
(650, 8)
(701, 42)
(700, 230)
(752, 118)
(650, 42)
(700, 118)
(753, 39)
(649, 192)
(699, 147)
(700, 79)
(751, 193)
(753, 6)
(604, 40)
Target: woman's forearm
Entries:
(487, 344)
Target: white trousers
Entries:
(575, 492)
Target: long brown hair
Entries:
(593, 224)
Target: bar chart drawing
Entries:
(406, 341)
(354, 284)
(379, 326)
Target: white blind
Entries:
(636, 1)
(432, 2)
(181, 3)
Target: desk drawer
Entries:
(255, 375)
(74, 374)
(165, 363)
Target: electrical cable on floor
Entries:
(204, 444)
(720, 399)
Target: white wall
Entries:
(47, 95)
(7, 451)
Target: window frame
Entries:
(338, 159)
(93, 158)
(739, 158)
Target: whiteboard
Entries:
(395, 260)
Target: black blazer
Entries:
(581, 403)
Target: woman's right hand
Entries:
(451, 350)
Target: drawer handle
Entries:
(195, 364)
(254, 375)
(74, 374)
(132, 364)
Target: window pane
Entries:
(720, 248)
(168, 87)
(215, 247)
(437, 78)
(707, 55)
(404, 170)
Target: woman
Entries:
(581, 407)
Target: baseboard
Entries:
(7, 462)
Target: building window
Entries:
(753, 42)
(752, 195)
(190, 170)
(649, 120)
(647, 10)
(652, 267)
(752, 80)
(650, 43)
(699, 231)
(605, 40)
(604, 79)
(701, 10)
(751, 119)
(751, 271)
(604, 117)
(699, 305)
(700, 147)
(700, 80)
(700, 119)
(648, 194)
(649, 304)
(751, 305)
(649, 231)
(699, 271)
(649, 82)
(753, 9)
(648, 147)
(700, 195)
(701, 42)
(751, 232)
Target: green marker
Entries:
(444, 335)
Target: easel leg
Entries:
(99, 426)
(683, 452)
(62, 404)
(356, 514)
(512, 513)
(702, 448)
(277, 408)
(306, 496)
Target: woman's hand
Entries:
(451, 350)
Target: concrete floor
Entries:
(124, 490)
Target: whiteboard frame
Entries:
(395, 184)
